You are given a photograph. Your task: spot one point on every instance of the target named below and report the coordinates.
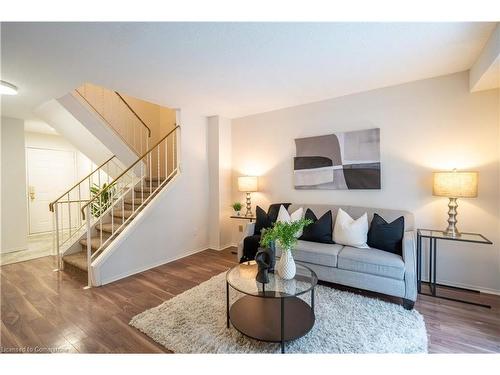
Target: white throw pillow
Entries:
(350, 232)
(285, 217)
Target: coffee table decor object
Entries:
(263, 258)
(285, 234)
(272, 311)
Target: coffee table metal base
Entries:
(272, 319)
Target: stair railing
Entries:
(67, 223)
(117, 113)
(133, 188)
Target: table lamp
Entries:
(454, 185)
(248, 184)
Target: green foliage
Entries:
(105, 200)
(237, 206)
(284, 233)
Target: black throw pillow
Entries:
(386, 236)
(274, 210)
(263, 220)
(320, 230)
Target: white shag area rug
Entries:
(195, 322)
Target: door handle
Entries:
(31, 191)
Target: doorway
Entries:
(49, 174)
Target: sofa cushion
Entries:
(263, 220)
(315, 253)
(320, 230)
(372, 261)
(386, 236)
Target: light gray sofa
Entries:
(369, 269)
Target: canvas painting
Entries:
(344, 160)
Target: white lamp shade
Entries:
(455, 184)
(247, 183)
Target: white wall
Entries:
(13, 185)
(57, 113)
(219, 161)
(175, 224)
(433, 124)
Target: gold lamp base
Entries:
(249, 206)
(451, 230)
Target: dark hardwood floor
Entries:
(43, 311)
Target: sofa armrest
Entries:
(248, 231)
(410, 260)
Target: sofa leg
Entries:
(408, 304)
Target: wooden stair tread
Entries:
(78, 260)
(95, 242)
(122, 213)
(108, 227)
(146, 189)
(154, 179)
(137, 200)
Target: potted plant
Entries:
(237, 206)
(285, 235)
(99, 206)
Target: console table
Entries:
(434, 236)
(251, 218)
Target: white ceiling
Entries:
(229, 69)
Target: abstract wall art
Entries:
(343, 160)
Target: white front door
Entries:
(50, 174)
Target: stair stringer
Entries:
(130, 252)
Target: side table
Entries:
(434, 236)
(251, 218)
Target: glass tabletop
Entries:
(242, 278)
(466, 237)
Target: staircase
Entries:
(95, 212)
(117, 220)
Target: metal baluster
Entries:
(100, 231)
(57, 235)
(178, 149)
(166, 158)
(123, 210)
(158, 166)
(133, 195)
(89, 250)
(142, 182)
(79, 205)
(62, 223)
(150, 171)
(112, 211)
(69, 215)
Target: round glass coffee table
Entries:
(271, 312)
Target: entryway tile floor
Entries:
(39, 245)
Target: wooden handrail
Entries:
(128, 169)
(134, 112)
(51, 205)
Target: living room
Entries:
(322, 188)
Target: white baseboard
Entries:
(13, 250)
(224, 247)
(148, 266)
(467, 286)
